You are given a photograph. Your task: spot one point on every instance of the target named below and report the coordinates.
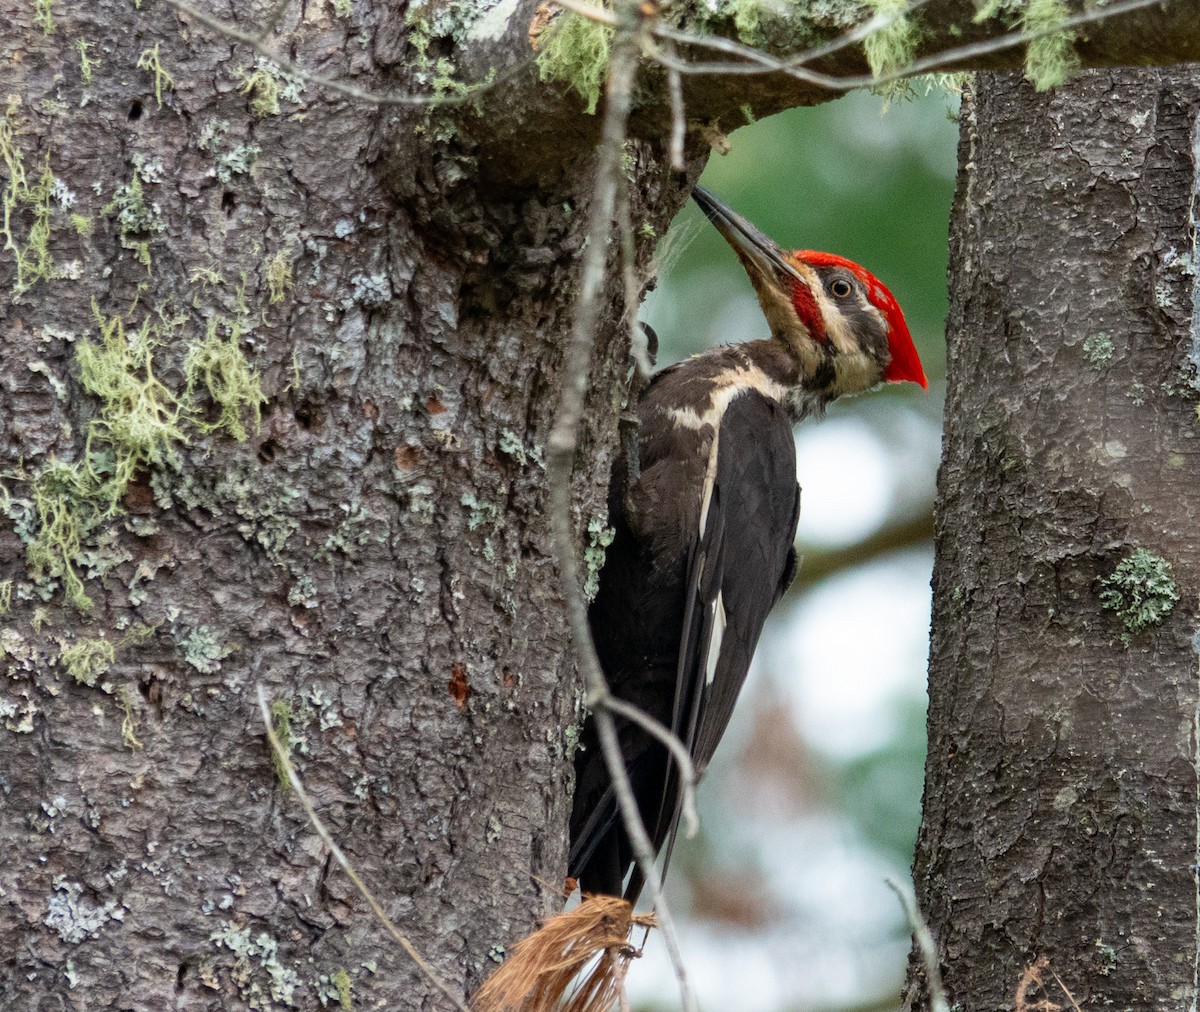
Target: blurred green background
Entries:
(814, 796)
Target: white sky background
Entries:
(846, 659)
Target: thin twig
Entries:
(762, 63)
(758, 62)
(631, 290)
(855, 35)
(623, 61)
(687, 770)
(281, 757)
(765, 62)
(294, 69)
(678, 115)
(929, 957)
(273, 21)
(1058, 981)
(722, 44)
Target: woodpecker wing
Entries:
(742, 563)
(699, 557)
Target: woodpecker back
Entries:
(705, 520)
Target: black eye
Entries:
(839, 288)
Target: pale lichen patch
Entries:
(600, 536)
(203, 650)
(1141, 590)
(74, 918)
(258, 974)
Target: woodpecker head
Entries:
(842, 325)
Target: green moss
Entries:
(128, 724)
(281, 724)
(995, 8)
(68, 502)
(892, 47)
(139, 417)
(267, 85)
(747, 20)
(206, 276)
(43, 15)
(219, 366)
(20, 199)
(86, 63)
(84, 224)
(341, 980)
(264, 91)
(1050, 59)
(341, 8)
(574, 50)
(150, 62)
(426, 22)
(34, 262)
(86, 660)
(279, 276)
(138, 424)
(1141, 590)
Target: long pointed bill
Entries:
(758, 251)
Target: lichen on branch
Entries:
(575, 50)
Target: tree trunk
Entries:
(1061, 789)
(374, 555)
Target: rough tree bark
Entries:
(185, 225)
(1061, 791)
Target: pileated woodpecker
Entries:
(705, 520)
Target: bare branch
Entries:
(256, 43)
(924, 938)
(284, 763)
(895, 536)
(631, 32)
(758, 62)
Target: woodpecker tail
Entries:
(538, 975)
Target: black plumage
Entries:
(680, 574)
(705, 523)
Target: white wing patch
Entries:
(710, 480)
(730, 385)
(714, 644)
